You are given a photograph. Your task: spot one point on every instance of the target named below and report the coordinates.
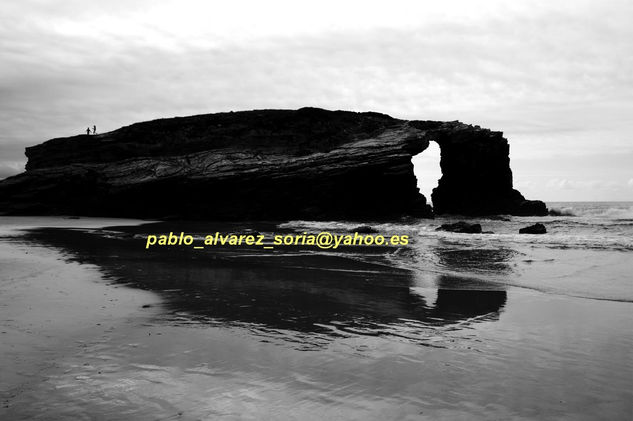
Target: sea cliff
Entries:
(267, 164)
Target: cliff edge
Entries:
(267, 164)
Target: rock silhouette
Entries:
(267, 164)
(461, 227)
(533, 229)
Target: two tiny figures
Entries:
(94, 130)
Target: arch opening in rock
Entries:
(426, 167)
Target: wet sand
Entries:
(51, 308)
(228, 336)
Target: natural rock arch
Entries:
(476, 176)
(267, 164)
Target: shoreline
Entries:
(51, 307)
(223, 337)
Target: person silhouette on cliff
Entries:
(88, 131)
(94, 129)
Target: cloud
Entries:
(561, 184)
(585, 184)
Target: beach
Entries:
(328, 211)
(454, 326)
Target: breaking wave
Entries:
(613, 210)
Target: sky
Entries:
(555, 76)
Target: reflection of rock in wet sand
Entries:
(300, 292)
(476, 260)
(459, 304)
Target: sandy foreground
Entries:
(77, 344)
(51, 308)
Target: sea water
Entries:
(452, 326)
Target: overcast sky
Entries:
(555, 76)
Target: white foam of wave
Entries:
(427, 229)
(563, 211)
(596, 211)
(347, 226)
(551, 240)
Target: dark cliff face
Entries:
(476, 175)
(267, 164)
(285, 132)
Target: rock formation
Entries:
(476, 175)
(267, 164)
(537, 228)
(461, 227)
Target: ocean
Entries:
(451, 326)
(586, 251)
